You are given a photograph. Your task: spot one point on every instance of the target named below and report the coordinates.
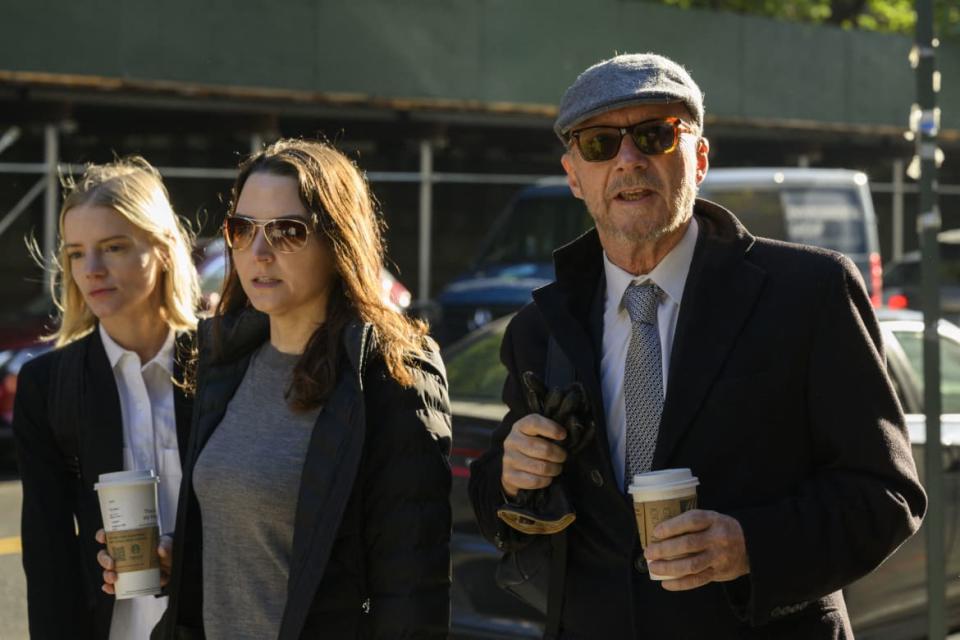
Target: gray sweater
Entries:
(246, 480)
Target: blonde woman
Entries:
(315, 499)
(107, 398)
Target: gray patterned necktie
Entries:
(642, 379)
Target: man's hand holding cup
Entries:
(695, 548)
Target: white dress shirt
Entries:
(149, 442)
(671, 276)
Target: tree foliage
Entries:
(892, 16)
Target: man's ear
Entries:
(567, 163)
(703, 158)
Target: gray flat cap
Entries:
(623, 81)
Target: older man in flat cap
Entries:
(756, 364)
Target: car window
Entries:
(534, 228)
(909, 272)
(760, 211)
(829, 218)
(950, 271)
(474, 372)
(899, 389)
(912, 344)
(897, 274)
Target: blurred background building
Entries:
(447, 104)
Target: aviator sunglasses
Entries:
(285, 235)
(652, 137)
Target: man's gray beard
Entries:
(678, 217)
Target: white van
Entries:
(828, 208)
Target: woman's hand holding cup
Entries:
(164, 550)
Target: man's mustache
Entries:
(627, 183)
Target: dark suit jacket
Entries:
(64, 599)
(371, 538)
(777, 400)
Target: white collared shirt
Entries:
(149, 442)
(671, 276)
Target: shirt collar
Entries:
(115, 353)
(670, 274)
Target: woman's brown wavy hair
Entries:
(332, 187)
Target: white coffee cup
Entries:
(128, 504)
(658, 496)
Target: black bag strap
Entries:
(64, 408)
(559, 373)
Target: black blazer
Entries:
(64, 599)
(777, 400)
(371, 538)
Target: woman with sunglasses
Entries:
(315, 500)
(109, 398)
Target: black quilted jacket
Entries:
(371, 541)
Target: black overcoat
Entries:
(778, 401)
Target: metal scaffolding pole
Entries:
(9, 137)
(22, 204)
(402, 177)
(898, 229)
(51, 157)
(927, 123)
(426, 217)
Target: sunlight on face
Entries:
(112, 262)
(281, 284)
(634, 196)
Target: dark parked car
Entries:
(828, 208)
(889, 604)
(902, 278)
(515, 258)
(21, 327)
(11, 360)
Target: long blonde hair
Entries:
(134, 189)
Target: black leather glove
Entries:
(548, 510)
(568, 407)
